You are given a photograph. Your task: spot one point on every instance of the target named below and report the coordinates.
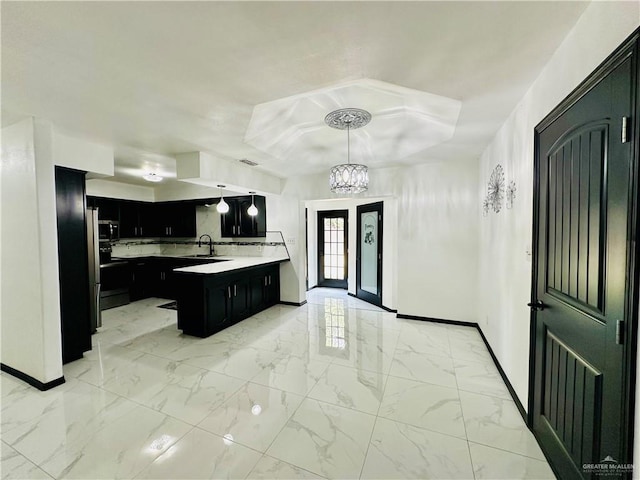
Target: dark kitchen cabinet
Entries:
(209, 303)
(218, 306)
(129, 219)
(73, 263)
(176, 219)
(204, 304)
(138, 219)
(238, 223)
(148, 219)
(265, 288)
(143, 279)
(165, 283)
(239, 292)
(108, 208)
(154, 276)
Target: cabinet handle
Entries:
(140, 231)
(265, 281)
(170, 230)
(269, 279)
(235, 290)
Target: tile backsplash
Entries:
(272, 245)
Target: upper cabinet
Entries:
(238, 223)
(108, 208)
(176, 219)
(146, 219)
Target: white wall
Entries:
(286, 214)
(437, 241)
(106, 188)
(82, 155)
(30, 307)
(504, 284)
(436, 225)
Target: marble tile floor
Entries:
(336, 388)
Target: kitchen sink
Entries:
(205, 256)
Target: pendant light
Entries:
(348, 177)
(222, 207)
(252, 210)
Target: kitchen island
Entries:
(215, 295)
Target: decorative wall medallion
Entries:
(495, 188)
(511, 194)
(496, 192)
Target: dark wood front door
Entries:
(581, 295)
(332, 248)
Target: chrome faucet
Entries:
(210, 243)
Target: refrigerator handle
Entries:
(96, 248)
(98, 310)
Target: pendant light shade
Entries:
(222, 207)
(252, 210)
(347, 178)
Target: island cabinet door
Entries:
(240, 299)
(272, 290)
(218, 306)
(258, 291)
(191, 306)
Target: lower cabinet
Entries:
(265, 288)
(209, 303)
(154, 276)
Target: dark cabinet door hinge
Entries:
(625, 130)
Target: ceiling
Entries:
(155, 79)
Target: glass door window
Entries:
(332, 248)
(369, 253)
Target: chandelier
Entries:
(348, 177)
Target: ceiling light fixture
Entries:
(348, 177)
(252, 210)
(152, 177)
(222, 207)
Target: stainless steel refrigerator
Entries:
(93, 244)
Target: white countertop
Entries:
(231, 263)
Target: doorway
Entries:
(333, 227)
(369, 253)
(582, 352)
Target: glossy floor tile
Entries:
(337, 388)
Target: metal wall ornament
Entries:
(511, 194)
(497, 192)
(495, 189)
